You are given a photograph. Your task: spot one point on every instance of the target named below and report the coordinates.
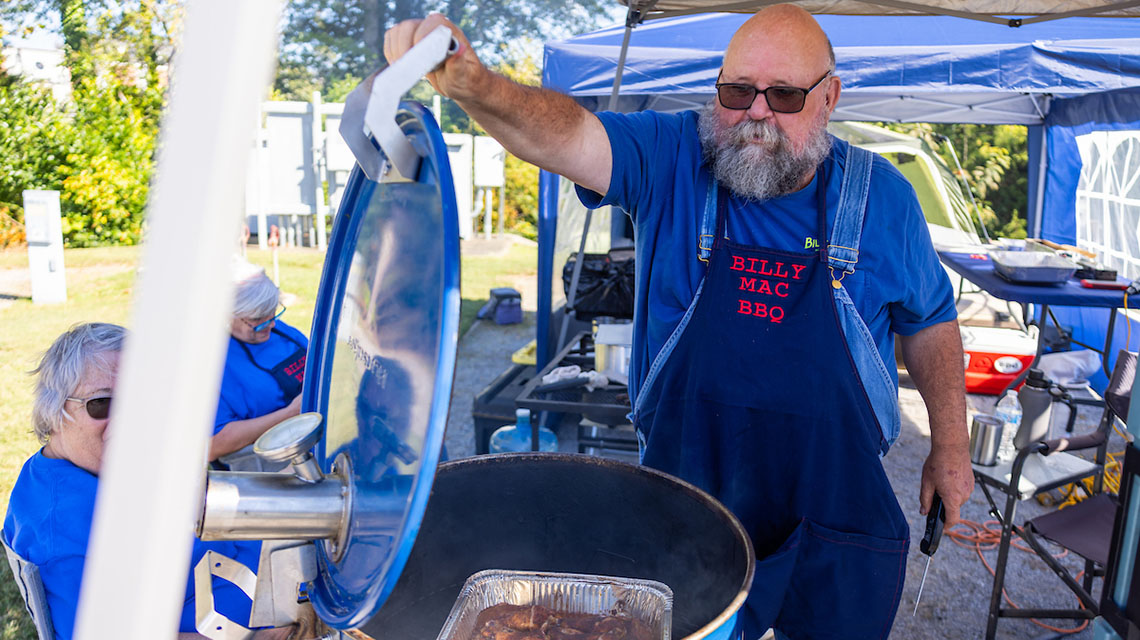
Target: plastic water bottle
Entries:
(516, 437)
(1008, 410)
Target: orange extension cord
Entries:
(987, 536)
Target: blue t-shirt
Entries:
(48, 524)
(660, 179)
(247, 391)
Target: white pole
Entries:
(502, 197)
(319, 165)
(261, 178)
(150, 486)
(488, 211)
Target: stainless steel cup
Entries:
(985, 437)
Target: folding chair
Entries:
(27, 576)
(1084, 528)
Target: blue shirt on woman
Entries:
(48, 524)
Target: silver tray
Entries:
(648, 601)
(1032, 267)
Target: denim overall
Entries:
(759, 399)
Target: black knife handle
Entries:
(935, 519)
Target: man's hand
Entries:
(948, 471)
(934, 360)
(459, 76)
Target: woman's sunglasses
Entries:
(740, 97)
(98, 407)
(263, 325)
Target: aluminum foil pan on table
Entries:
(565, 513)
(1032, 267)
(619, 601)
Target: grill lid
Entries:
(381, 361)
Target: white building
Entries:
(38, 64)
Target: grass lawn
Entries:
(99, 283)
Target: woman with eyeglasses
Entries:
(264, 371)
(53, 502)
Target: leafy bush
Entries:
(106, 172)
(97, 151)
(34, 139)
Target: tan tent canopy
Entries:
(1012, 12)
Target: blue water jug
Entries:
(516, 437)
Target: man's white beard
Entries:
(760, 171)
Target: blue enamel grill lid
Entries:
(381, 361)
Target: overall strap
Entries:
(708, 222)
(843, 246)
(249, 354)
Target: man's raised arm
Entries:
(538, 125)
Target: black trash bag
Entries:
(605, 286)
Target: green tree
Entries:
(994, 163)
(325, 41)
(97, 147)
(34, 139)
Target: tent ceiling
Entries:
(894, 68)
(998, 11)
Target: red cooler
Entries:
(994, 357)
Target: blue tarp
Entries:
(943, 69)
(1062, 78)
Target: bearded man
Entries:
(775, 265)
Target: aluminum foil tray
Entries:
(649, 601)
(1032, 267)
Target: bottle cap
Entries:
(1036, 378)
(522, 415)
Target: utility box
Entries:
(44, 230)
(490, 162)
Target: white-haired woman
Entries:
(51, 506)
(265, 368)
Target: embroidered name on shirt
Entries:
(296, 369)
(775, 279)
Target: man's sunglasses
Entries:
(98, 407)
(263, 325)
(740, 97)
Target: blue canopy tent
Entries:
(1061, 78)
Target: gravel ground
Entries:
(956, 596)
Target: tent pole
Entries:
(632, 18)
(1042, 167)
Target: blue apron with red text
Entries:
(756, 398)
(289, 373)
